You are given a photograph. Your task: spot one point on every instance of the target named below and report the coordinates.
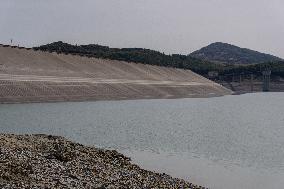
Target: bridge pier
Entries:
(251, 82)
(266, 80)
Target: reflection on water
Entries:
(239, 137)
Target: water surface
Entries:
(225, 142)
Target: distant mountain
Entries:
(227, 53)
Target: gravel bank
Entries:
(41, 161)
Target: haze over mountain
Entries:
(178, 27)
(227, 53)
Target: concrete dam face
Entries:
(34, 76)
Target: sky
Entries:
(170, 26)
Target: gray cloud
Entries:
(170, 26)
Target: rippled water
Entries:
(225, 142)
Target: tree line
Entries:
(151, 57)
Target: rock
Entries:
(44, 161)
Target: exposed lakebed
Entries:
(224, 142)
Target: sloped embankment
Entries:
(41, 161)
(34, 76)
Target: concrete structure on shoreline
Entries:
(33, 76)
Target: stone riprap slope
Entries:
(40, 161)
(34, 76)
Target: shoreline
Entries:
(91, 99)
(45, 161)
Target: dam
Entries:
(27, 75)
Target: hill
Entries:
(35, 76)
(227, 53)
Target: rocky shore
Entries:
(41, 161)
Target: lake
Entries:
(224, 142)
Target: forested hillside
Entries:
(138, 55)
(147, 56)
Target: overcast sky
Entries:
(170, 26)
